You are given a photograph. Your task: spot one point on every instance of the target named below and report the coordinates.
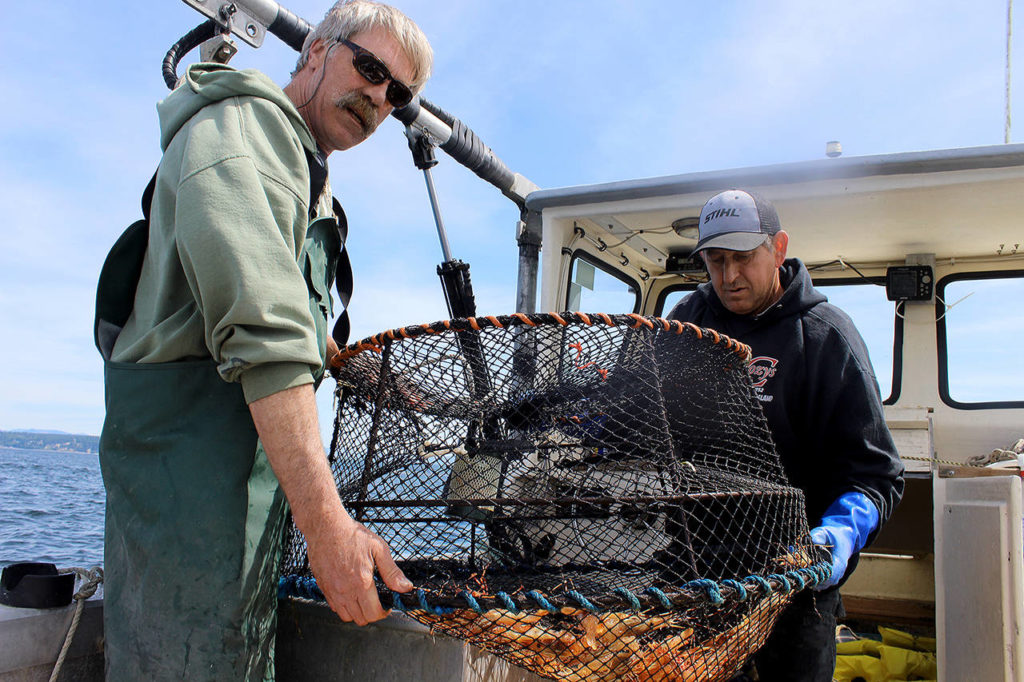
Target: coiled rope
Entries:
(90, 580)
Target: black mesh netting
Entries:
(587, 496)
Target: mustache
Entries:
(362, 107)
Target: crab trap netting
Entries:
(586, 496)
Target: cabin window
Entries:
(595, 287)
(863, 301)
(670, 297)
(874, 315)
(979, 329)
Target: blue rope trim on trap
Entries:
(784, 585)
(660, 596)
(506, 600)
(634, 603)
(741, 592)
(759, 582)
(710, 590)
(465, 594)
(542, 602)
(298, 586)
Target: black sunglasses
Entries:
(376, 72)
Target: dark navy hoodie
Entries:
(812, 375)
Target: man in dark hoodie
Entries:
(224, 338)
(812, 375)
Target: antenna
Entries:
(1009, 38)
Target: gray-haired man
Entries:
(226, 337)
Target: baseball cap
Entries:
(736, 220)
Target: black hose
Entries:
(188, 42)
(290, 28)
(465, 147)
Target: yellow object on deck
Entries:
(905, 640)
(859, 667)
(885, 661)
(859, 646)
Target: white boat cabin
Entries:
(946, 230)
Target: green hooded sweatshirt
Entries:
(222, 274)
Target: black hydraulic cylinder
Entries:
(458, 289)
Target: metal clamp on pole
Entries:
(220, 48)
(251, 19)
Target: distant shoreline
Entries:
(50, 442)
(54, 451)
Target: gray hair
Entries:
(348, 17)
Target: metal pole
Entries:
(526, 286)
(441, 234)
(529, 239)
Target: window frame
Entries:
(659, 304)
(942, 346)
(896, 380)
(580, 254)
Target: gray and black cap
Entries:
(736, 220)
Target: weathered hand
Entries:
(342, 553)
(343, 556)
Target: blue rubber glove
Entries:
(844, 530)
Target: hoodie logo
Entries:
(761, 369)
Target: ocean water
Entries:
(51, 508)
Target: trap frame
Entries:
(587, 496)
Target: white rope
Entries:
(946, 308)
(999, 455)
(979, 461)
(91, 579)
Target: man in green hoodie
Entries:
(225, 340)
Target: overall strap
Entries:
(342, 279)
(147, 196)
(317, 162)
(119, 278)
(343, 271)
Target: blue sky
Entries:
(566, 93)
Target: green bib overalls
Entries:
(194, 513)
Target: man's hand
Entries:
(342, 555)
(342, 552)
